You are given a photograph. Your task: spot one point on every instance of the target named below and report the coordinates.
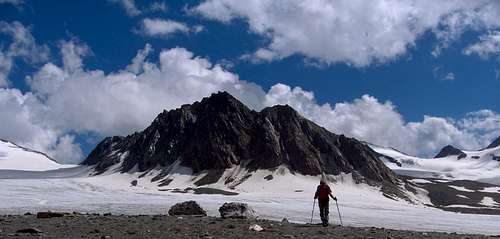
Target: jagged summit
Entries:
(494, 144)
(449, 150)
(220, 132)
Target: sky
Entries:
(413, 75)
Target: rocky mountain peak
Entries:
(220, 132)
(449, 150)
(494, 144)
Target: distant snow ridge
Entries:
(451, 163)
(15, 157)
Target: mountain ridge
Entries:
(219, 132)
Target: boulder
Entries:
(236, 210)
(187, 208)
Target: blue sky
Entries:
(400, 73)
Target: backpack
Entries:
(324, 192)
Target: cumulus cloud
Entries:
(487, 46)
(129, 6)
(21, 124)
(355, 32)
(379, 122)
(125, 101)
(68, 99)
(22, 46)
(163, 27)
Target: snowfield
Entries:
(285, 195)
(477, 166)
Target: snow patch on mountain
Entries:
(482, 165)
(15, 157)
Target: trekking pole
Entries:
(312, 213)
(340, 217)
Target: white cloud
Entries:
(380, 123)
(71, 100)
(125, 101)
(449, 76)
(72, 53)
(21, 124)
(22, 46)
(355, 32)
(137, 64)
(161, 27)
(15, 3)
(129, 6)
(158, 7)
(488, 45)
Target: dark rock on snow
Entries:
(494, 144)
(220, 132)
(133, 183)
(49, 214)
(187, 208)
(237, 210)
(449, 150)
(30, 230)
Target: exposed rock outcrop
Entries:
(449, 150)
(494, 144)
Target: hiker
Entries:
(323, 194)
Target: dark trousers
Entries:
(324, 210)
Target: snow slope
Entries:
(15, 157)
(481, 165)
(285, 195)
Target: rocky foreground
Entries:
(162, 226)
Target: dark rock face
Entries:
(220, 132)
(236, 210)
(449, 150)
(186, 208)
(494, 144)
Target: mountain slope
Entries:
(220, 132)
(15, 157)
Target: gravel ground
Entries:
(163, 226)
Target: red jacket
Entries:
(323, 192)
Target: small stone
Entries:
(285, 221)
(255, 228)
(95, 231)
(231, 226)
(30, 230)
(28, 214)
(105, 237)
(107, 214)
(131, 232)
(133, 183)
